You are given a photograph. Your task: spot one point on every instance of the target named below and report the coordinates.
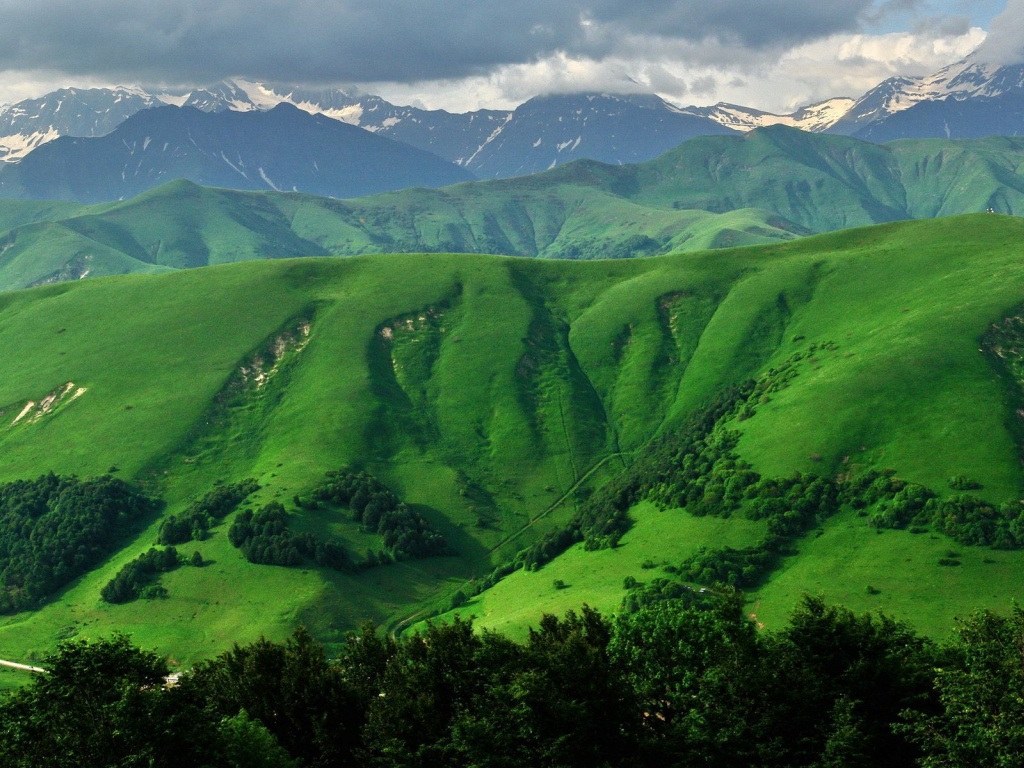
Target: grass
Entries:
(903, 567)
(521, 379)
(664, 537)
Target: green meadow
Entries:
(492, 395)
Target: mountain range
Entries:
(967, 99)
(769, 185)
(281, 148)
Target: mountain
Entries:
(814, 117)
(551, 130)
(67, 112)
(283, 148)
(497, 398)
(543, 132)
(181, 226)
(770, 185)
(952, 118)
(966, 80)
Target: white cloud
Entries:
(842, 65)
(1005, 44)
(685, 69)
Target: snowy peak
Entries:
(814, 117)
(69, 111)
(969, 78)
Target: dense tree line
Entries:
(138, 577)
(201, 515)
(407, 534)
(265, 538)
(669, 685)
(54, 529)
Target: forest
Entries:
(53, 529)
(677, 683)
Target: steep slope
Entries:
(873, 369)
(283, 148)
(969, 79)
(492, 395)
(951, 118)
(66, 112)
(553, 130)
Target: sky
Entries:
(462, 55)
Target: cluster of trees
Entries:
(265, 538)
(201, 515)
(54, 529)
(670, 685)
(407, 534)
(138, 578)
(697, 468)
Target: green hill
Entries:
(182, 225)
(493, 395)
(768, 186)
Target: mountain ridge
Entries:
(770, 185)
(280, 148)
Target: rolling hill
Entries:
(771, 185)
(496, 397)
(182, 225)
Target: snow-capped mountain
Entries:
(969, 78)
(552, 130)
(541, 133)
(67, 112)
(282, 148)
(973, 118)
(815, 118)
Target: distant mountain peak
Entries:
(969, 78)
(816, 118)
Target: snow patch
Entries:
(15, 146)
(234, 167)
(267, 181)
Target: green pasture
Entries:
(492, 394)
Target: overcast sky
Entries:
(467, 54)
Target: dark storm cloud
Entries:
(376, 40)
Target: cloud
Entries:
(326, 41)
(1005, 42)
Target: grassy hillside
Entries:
(491, 394)
(182, 225)
(768, 186)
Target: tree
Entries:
(863, 669)
(103, 704)
(981, 690)
(290, 688)
(694, 670)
